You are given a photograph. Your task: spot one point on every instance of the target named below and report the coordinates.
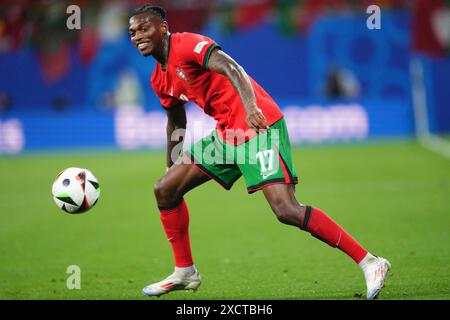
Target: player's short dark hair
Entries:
(152, 10)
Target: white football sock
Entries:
(368, 259)
(185, 271)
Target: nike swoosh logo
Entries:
(267, 175)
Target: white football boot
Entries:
(176, 281)
(375, 271)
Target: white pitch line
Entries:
(425, 138)
(435, 144)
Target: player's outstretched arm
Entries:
(222, 63)
(176, 127)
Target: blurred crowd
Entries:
(39, 23)
(40, 26)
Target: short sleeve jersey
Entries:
(187, 78)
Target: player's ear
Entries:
(164, 27)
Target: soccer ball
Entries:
(75, 190)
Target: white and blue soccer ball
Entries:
(75, 190)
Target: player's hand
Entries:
(256, 120)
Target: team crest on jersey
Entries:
(181, 74)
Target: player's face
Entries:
(146, 33)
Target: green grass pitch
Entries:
(394, 197)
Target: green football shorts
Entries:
(263, 160)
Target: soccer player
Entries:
(193, 67)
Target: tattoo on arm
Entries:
(222, 63)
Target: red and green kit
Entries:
(232, 149)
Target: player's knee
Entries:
(286, 212)
(164, 193)
(283, 217)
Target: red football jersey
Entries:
(186, 78)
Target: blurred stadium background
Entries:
(371, 99)
(336, 79)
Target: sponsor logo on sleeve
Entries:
(199, 46)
